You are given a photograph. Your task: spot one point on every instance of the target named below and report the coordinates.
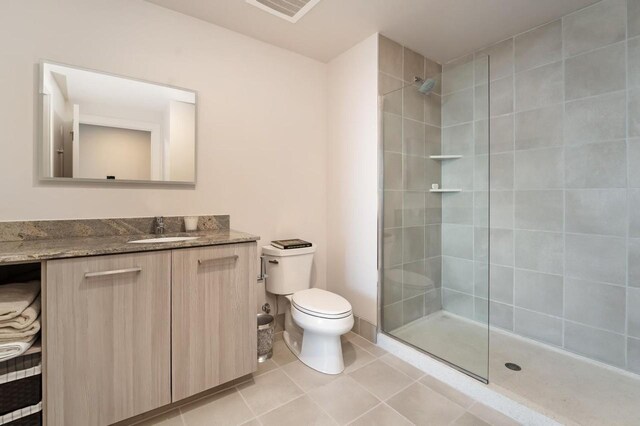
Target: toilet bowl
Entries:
(314, 318)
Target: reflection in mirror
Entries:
(103, 127)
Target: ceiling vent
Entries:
(290, 10)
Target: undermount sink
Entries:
(163, 240)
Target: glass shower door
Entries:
(435, 213)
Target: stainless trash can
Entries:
(265, 336)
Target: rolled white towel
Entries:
(25, 319)
(16, 297)
(15, 348)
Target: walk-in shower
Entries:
(435, 214)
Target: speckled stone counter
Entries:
(43, 240)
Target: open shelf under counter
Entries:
(445, 157)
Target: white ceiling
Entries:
(439, 29)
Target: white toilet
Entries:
(314, 318)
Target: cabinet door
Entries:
(107, 337)
(214, 316)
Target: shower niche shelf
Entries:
(445, 157)
(445, 190)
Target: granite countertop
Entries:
(59, 248)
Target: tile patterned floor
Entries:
(376, 388)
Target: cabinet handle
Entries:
(275, 262)
(112, 272)
(218, 259)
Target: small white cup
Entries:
(434, 186)
(191, 223)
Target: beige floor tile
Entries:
(447, 391)
(300, 411)
(491, 416)
(269, 390)
(306, 377)
(422, 405)
(264, 367)
(282, 354)
(381, 379)
(382, 415)
(469, 419)
(172, 418)
(405, 367)
(365, 344)
(252, 422)
(354, 357)
(226, 407)
(344, 399)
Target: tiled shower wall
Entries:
(565, 184)
(411, 215)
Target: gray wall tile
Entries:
(539, 251)
(481, 313)
(633, 18)
(594, 26)
(633, 354)
(457, 241)
(413, 65)
(597, 165)
(539, 87)
(392, 101)
(539, 46)
(501, 209)
(392, 132)
(633, 154)
(501, 100)
(502, 134)
(634, 209)
(633, 304)
(481, 61)
(481, 172)
(392, 171)
(392, 247)
(596, 72)
(432, 109)
(433, 240)
(458, 208)
(457, 174)
(595, 304)
(481, 102)
(634, 263)
(433, 172)
(539, 128)
(596, 258)
(432, 302)
(633, 62)
(501, 246)
(501, 284)
(596, 211)
(458, 140)
(390, 57)
(414, 279)
(539, 292)
(433, 212)
(392, 289)
(433, 268)
(457, 75)
(481, 208)
(414, 173)
(413, 103)
(634, 113)
(539, 210)
(481, 279)
(457, 108)
(601, 345)
(501, 171)
(392, 209)
(457, 303)
(501, 315)
(412, 309)
(457, 274)
(392, 316)
(413, 139)
(413, 243)
(501, 55)
(539, 169)
(481, 244)
(413, 208)
(595, 119)
(538, 326)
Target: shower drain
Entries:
(512, 366)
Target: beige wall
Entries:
(110, 151)
(181, 141)
(353, 176)
(262, 121)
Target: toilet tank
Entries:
(288, 271)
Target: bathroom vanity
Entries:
(128, 327)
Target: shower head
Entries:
(426, 86)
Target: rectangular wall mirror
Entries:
(100, 127)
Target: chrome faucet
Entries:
(159, 225)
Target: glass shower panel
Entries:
(435, 215)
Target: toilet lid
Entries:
(321, 303)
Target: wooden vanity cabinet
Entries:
(107, 347)
(213, 316)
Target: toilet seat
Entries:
(321, 303)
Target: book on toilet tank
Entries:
(290, 244)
